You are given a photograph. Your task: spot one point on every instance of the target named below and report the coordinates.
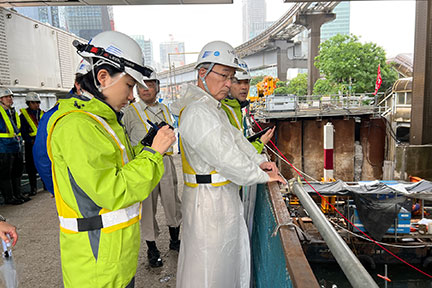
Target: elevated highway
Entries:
(275, 46)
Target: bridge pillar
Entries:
(282, 47)
(421, 111)
(313, 22)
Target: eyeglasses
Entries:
(225, 76)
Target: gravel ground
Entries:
(37, 253)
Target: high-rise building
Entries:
(45, 14)
(146, 47)
(83, 21)
(341, 25)
(88, 21)
(166, 56)
(254, 18)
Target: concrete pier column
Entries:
(313, 22)
(421, 112)
(282, 47)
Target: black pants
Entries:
(11, 167)
(131, 283)
(30, 167)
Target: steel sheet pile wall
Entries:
(301, 142)
(372, 137)
(290, 144)
(344, 149)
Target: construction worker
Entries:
(233, 105)
(6, 230)
(216, 158)
(135, 119)
(237, 99)
(99, 179)
(11, 158)
(30, 118)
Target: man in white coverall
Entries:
(135, 119)
(217, 158)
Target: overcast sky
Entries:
(390, 24)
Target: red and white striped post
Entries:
(328, 152)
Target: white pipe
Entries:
(351, 266)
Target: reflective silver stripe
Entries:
(69, 223)
(108, 219)
(113, 134)
(215, 178)
(121, 216)
(141, 115)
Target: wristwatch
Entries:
(2, 219)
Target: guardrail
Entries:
(319, 104)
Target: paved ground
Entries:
(37, 254)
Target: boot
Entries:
(153, 255)
(33, 191)
(14, 201)
(23, 197)
(174, 242)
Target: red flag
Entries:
(378, 81)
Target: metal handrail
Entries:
(351, 266)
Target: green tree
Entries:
(326, 87)
(281, 84)
(343, 59)
(256, 79)
(298, 85)
(282, 91)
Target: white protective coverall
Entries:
(135, 119)
(214, 251)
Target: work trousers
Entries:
(11, 169)
(30, 166)
(171, 203)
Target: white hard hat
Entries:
(83, 67)
(32, 96)
(115, 49)
(5, 92)
(218, 52)
(153, 77)
(244, 74)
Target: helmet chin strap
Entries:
(117, 78)
(99, 87)
(203, 78)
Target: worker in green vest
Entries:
(237, 99)
(99, 179)
(30, 118)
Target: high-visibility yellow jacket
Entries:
(233, 109)
(96, 172)
(9, 131)
(29, 127)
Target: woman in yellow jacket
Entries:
(99, 179)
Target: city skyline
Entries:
(373, 21)
(167, 53)
(83, 21)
